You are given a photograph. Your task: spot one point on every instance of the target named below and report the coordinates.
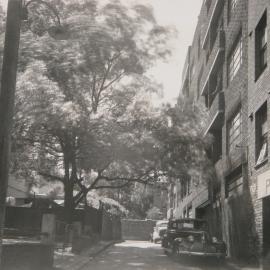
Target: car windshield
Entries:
(162, 225)
(195, 236)
(188, 224)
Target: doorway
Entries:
(266, 225)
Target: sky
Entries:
(182, 14)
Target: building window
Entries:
(234, 183)
(235, 59)
(261, 134)
(231, 8)
(261, 46)
(234, 132)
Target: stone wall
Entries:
(27, 256)
(111, 227)
(134, 229)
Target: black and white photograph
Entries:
(134, 135)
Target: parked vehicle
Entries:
(159, 231)
(191, 237)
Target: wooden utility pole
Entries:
(7, 96)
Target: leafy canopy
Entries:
(83, 107)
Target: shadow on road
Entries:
(133, 255)
(214, 264)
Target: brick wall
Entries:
(233, 213)
(242, 216)
(258, 93)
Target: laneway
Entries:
(132, 255)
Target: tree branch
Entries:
(104, 79)
(113, 187)
(114, 80)
(52, 177)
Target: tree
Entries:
(177, 149)
(154, 213)
(81, 102)
(83, 108)
(136, 198)
(182, 141)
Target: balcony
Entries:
(235, 160)
(215, 60)
(213, 18)
(216, 113)
(186, 74)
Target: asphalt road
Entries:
(132, 255)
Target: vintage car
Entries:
(191, 237)
(159, 231)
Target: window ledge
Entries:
(260, 73)
(262, 163)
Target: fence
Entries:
(89, 218)
(22, 221)
(27, 221)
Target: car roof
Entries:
(188, 219)
(193, 231)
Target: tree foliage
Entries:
(80, 101)
(83, 113)
(154, 213)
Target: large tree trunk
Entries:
(68, 189)
(68, 198)
(69, 203)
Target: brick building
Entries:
(226, 70)
(258, 112)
